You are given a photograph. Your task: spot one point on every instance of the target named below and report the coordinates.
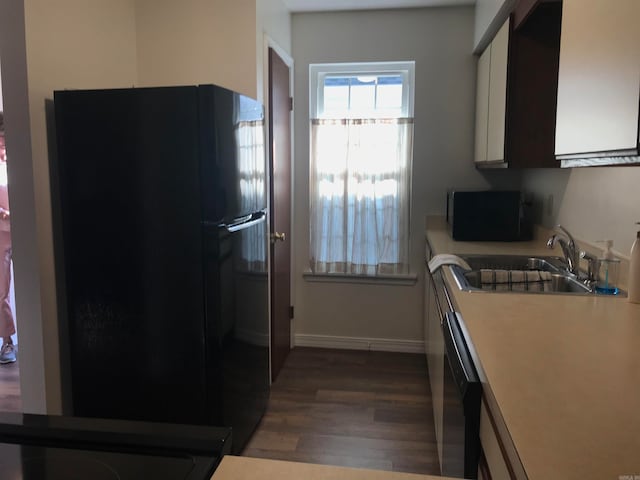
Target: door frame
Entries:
(288, 60)
(41, 378)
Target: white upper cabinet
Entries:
(599, 79)
(482, 105)
(497, 95)
(491, 94)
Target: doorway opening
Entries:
(10, 397)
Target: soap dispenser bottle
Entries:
(634, 271)
(608, 267)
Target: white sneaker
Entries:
(7, 353)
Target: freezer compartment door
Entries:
(232, 149)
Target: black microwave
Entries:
(489, 215)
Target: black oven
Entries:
(457, 412)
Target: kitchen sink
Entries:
(547, 275)
(514, 262)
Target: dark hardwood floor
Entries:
(334, 407)
(10, 388)
(350, 408)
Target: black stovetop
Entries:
(28, 462)
(37, 447)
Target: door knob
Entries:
(277, 236)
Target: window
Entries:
(360, 168)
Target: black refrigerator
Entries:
(159, 207)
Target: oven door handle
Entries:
(460, 362)
(466, 408)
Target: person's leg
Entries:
(7, 325)
(7, 352)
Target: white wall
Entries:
(273, 21)
(197, 41)
(489, 17)
(439, 40)
(208, 41)
(594, 203)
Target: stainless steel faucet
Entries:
(568, 245)
(592, 268)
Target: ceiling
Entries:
(330, 5)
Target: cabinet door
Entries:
(599, 79)
(497, 95)
(491, 95)
(495, 461)
(534, 50)
(482, 105)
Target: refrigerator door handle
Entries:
(247, 221)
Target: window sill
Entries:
(409, 279)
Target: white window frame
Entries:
(318, 72)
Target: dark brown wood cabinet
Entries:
(532, 85)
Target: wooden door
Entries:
(280, 104)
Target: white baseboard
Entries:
(359, 343)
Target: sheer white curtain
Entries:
(360, 195)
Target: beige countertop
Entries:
(563, 371)
(247, 468)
